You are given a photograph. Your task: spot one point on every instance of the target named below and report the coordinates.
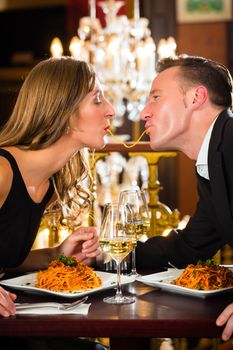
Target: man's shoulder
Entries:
(223, 127)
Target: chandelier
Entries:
(123, 54)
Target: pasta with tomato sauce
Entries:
(60, 277)
(205, 276)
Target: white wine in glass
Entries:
(117, 243)
(137, 219)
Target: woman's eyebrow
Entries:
(96, 92)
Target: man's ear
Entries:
(200, 96)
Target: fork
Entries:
(174, 267)
(59, 306)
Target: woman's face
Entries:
(90, 122)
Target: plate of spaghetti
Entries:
(200, 280)
(67, 277)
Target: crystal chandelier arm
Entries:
(92, 9)
(136, 11)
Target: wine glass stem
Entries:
(118, 292)
(133, 269)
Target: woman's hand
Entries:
(226, 317)
(7, 306)
(83, 243)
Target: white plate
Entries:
(27, 283)
(163, 280)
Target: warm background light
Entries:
(56, 48)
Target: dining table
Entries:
(154, 314)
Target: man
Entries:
(188, 110)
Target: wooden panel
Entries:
(229, 44)
(203, 39)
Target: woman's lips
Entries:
(106, 128)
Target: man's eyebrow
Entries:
(152, 92)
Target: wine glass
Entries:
(138, 221)
(117, 243)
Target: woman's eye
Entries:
(155, 97)
(97, 100)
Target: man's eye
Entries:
(155, 97)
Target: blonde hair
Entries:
(49, 95)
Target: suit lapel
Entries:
(217, 180)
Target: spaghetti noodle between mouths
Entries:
(124, 144)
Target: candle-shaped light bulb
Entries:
(162, 48)
(172, 46)
(75, 47)
(56, 48)
(166, 48)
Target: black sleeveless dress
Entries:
(19, 222)
(19, 218)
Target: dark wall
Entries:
(30, 31)
(162, 17)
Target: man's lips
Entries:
(147, 127)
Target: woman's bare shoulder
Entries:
(6, 176)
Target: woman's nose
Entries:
(110, 111)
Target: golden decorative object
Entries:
(162, 218)
(94, 157)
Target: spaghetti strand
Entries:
(123, 143)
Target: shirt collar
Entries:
(202, 159)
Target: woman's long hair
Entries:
(49, 95)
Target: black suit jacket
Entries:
(211, 226)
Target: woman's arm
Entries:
(83, 243)
(7, 306)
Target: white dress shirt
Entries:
(202, 159)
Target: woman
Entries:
(59, 112)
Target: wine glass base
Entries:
(134, 274)
(119, 300)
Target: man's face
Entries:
(167, 113)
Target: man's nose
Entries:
(145, 114)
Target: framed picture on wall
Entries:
(191, 11)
